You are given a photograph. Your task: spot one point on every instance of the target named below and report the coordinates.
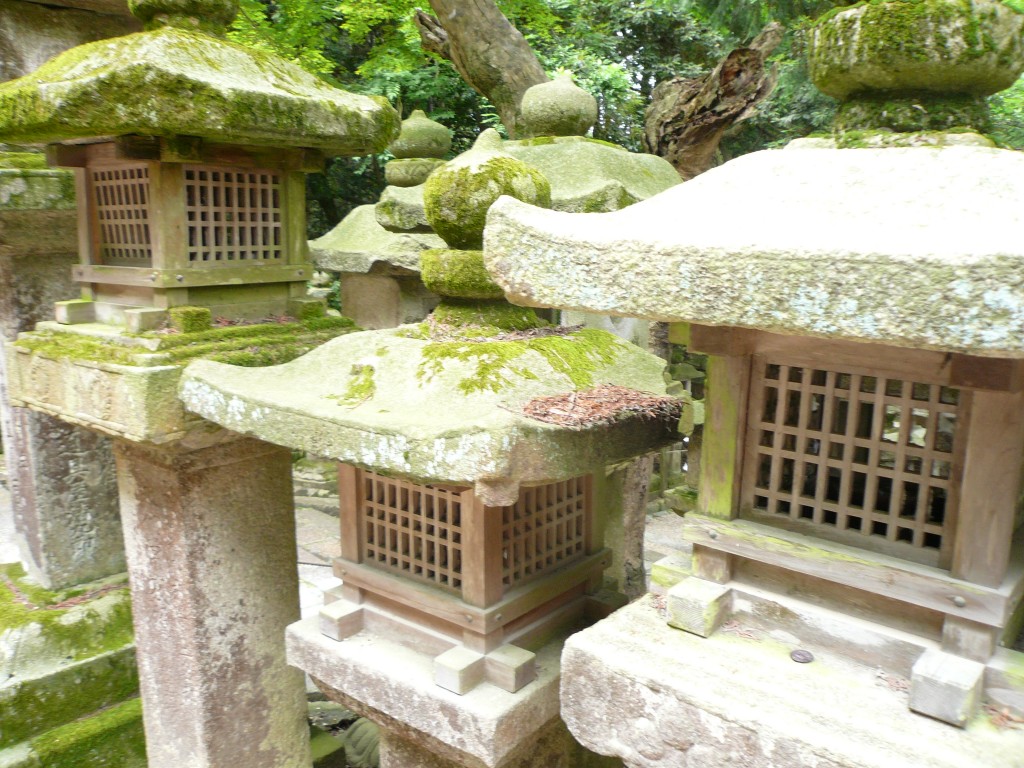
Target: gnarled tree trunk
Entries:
(687, 117)
(483, 46)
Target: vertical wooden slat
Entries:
(724, 426)
(350, 513)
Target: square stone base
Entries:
(658, 697)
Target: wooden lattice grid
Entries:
(121, 209)
(411, 529)
(855, 456)
(545, 529)
(233, 215)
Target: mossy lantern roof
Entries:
(913, 247)
(179, 77)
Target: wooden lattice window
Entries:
(233, 215)
(413, 530)
(544, 529)
(121, 198)
(853, 456)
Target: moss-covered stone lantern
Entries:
(474, 497)
(190, 153)
(857, 546)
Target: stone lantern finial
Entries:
(418, 150)
(558, 107)
(904, 67)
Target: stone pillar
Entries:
(210, 538)
(64, 495)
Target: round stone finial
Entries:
(421, 137)
(558, 107)
(457, 195)
(206, 15)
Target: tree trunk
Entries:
(687, 117)
(483, 46)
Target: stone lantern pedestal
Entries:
(189, 170)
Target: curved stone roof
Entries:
(386, 401)
(914, 247)
(172, 81)
(359, 245)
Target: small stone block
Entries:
(341, 619)
(946, 687)
(144, 319)
(511, 668)
(459, 670)
(669, 571)
(698, 606)
(74, 311)
(307, 309)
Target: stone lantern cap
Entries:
(174, 80)
(913, 247)
(443, 412)
(360, 245)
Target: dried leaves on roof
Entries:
(602, 405)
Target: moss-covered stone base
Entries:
(909, 112)
(458, 273)
(486, 316)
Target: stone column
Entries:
(63, 491)
(210, 539)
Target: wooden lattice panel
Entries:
(121, 206)
(859, 457)
(545, 529)
(233, 215)
(412, 530)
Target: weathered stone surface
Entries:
(31, 33)
(911, 247)
(359, 245)
(208, 528)
(174, 81)
(64, 499)
(586, 176)
(934, 45)
(435, 411)
(421, 137)
(558, 107)
(394, 686)
(661, 698)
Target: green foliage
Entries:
(1008, 116)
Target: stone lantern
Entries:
(472, 532)
(857, 552)
(189, 152)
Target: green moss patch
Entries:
(492, 316)
(23, 160)
(190, 319)
(361, 386)
(111, 739)
(460, 274)
(497, 363)
(247, 345)
(906, 113)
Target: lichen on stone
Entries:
(459, 274)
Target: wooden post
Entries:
(349, 481)
(482, 562)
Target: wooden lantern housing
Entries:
(477, 586)
(164, 224)
(875, 480)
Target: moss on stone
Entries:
(23, 160)
(904, 113)
(576, 356)
(190, 319)
(497, 315)
(180, 82)
(361, 386)
(460, 274)
(250, 345)
(456, 196)
(112, 738)
(954, 46)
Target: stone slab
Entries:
(915, 247)
(394, 686)
(681, 701)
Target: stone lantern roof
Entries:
(180, 78)
(913, 247)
